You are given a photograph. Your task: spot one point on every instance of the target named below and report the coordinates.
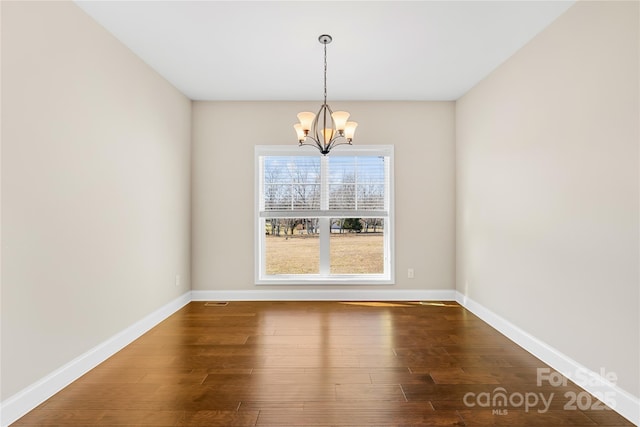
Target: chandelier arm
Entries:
(334, 144)
(315, 144)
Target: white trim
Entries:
(290, 150)
(27, 399)
(318, 279)
(326, 295)
(626, 404)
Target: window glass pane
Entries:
(356, 182)
(342, 196)
(291, 182)
(357, 246)
(292, 246)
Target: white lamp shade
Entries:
(328, 134)
(299, 131)
(340, 119)
(306, 118)
(350, 130)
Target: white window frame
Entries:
(386, 278)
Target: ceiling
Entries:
(269, 50)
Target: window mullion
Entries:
(324, 183)
(324, 223)
(325, 232)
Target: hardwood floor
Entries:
(318, 364)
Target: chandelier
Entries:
(326, 129)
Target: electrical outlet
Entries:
(177, 280)
(410, 273)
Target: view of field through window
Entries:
(296, 250)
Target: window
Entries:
(324, 219)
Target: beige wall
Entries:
(547, 188)
(95, 189)
(224, 137)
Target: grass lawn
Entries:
(350, 253)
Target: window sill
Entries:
(338, 280)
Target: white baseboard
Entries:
(626, 404)
(326, 295)
(27, 399)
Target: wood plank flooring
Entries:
(317, 364)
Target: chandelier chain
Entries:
(325, 73)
